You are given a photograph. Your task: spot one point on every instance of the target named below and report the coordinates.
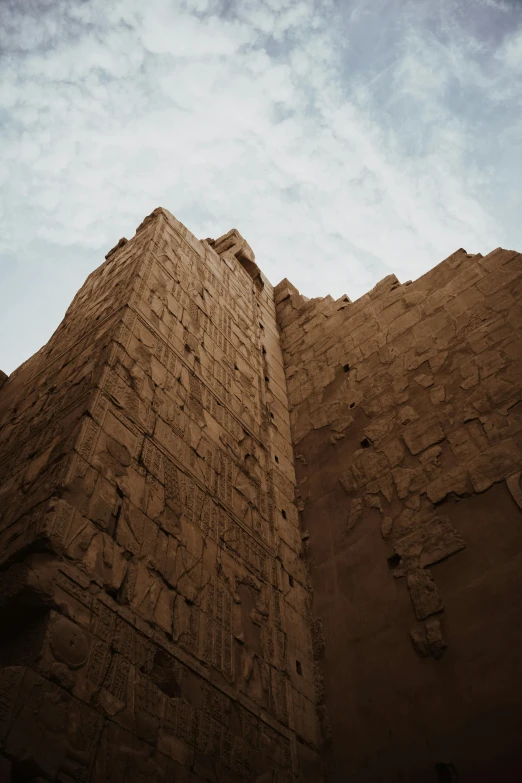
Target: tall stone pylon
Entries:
(153, 599)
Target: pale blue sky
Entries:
(344, 139)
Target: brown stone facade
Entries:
(176, 607)
(406, 412)
(154, 603)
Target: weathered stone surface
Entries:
(427, 638)
(495, 464)
(435, 419)
(425, 535)
(420, 641)
(169, 615)
(147, 507)
(455, 480)
(434, 636)
(422, 434)
(423, 593)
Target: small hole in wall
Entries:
(236, 367)
(271, 415)
(346, 368)
(446, 773)
(276, 458)
(352, 405)
(365, 443)
(346, 299)
(264, 350)
(261, 325)
(290, 580)
(394, 561)
(266, 378)
(299, 668)
(283, 513)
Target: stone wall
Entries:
(154, 603)
(157, 614)
(406, 413)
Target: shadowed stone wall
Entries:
(158, 621)
(153, 601)
(406, 412)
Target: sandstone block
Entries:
(434, 636)
(426, 536)
(423, 433)
(455, 480)
(424, 594)
(495, 464)
(403, 322)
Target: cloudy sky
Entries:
(345, 139)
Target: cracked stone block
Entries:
(424, 594)
(422, 434)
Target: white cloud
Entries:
(344, 141)
(510, 54)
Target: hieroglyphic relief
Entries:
(142, 497)
(168, 299)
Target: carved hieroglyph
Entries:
(151, 584)
(178, 607)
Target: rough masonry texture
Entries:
(406, 412)
(175, 607)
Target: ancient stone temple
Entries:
(247, 537)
